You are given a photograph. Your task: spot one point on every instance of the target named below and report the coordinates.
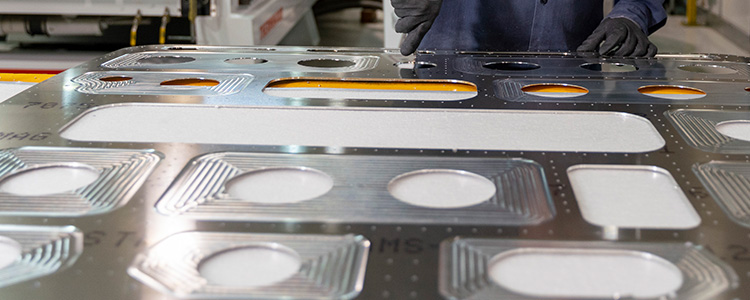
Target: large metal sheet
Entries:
(403, 260)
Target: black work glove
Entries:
(622, 37)
(415, 19)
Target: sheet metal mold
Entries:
(405, 255)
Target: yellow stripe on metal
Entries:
(375, 84)
(553, 88)
(673, 90)
(24, 77)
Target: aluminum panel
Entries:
(360, 191)
(404, 255)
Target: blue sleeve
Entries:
(648, 14)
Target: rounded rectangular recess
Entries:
(155, 83)
(332, 266)
(360, 191)
(551, 67)
(626, 196)
(701, 129)
(621, 91)
(371, 89)
(223, 61)
(728, 183)
(466, 267)
(121, 172)
(44, 250)
(524, 130)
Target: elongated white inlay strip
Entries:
(577, 273)
(369, 127)
(10, 89)
(631, 197)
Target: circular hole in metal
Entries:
(709, 69)
(326, 63)
(511, 66)
(10, 251)
(191, 82)
(747, 89)
(584, 273)
(246, 61)
(555, 90)
(165, 60)
(253, 266)
(441, 188)
(48, 180)
(609, 67)
(116, 78)
(279, 185)
(672, 92)
(736, 129)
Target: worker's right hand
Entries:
(415, 19)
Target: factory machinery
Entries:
(138, 22)
(199, 172)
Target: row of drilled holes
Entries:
(607, 67)
(313, 63)
(501, 66)
(540, 89)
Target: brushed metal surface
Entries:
(403, 261)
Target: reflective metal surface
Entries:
(404, 253)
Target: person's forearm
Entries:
(648, 14)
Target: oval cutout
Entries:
(246, 61)
(165, 60)
(326, 63)
(585, 273)
(249, 267)
(279, 185)
(56, 178)
(609, 67)
(736, 129)
(412, 65)
(555, 90)
(747, 89)
(10, 251)
(672, 92)
(708, 69)
(511, 66)
(441, 188)
(190, 82)
(115, 78)
(372, 89)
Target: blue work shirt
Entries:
(531, 25)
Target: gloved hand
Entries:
(415, 19)
(622, 37)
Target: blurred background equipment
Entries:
(133, 22)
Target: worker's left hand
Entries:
(621, 37)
